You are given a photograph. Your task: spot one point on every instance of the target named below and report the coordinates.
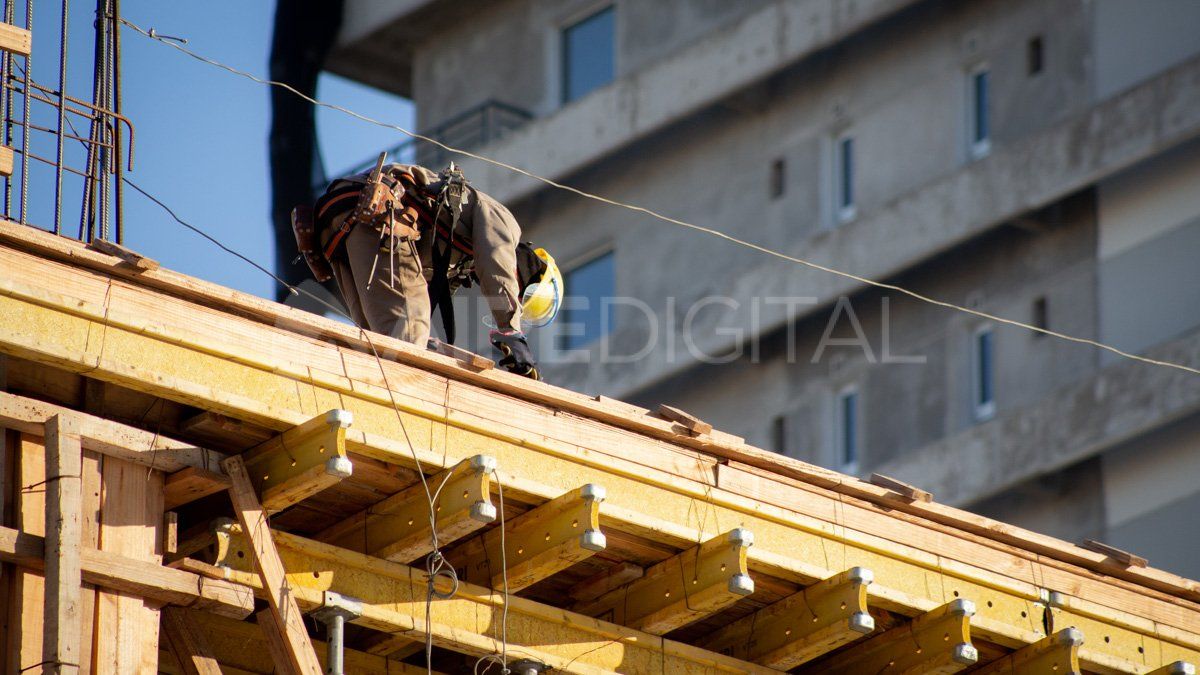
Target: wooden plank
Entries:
(62, 651)
(688, 421)
(188, 643)
(1125, 558)
(190, 484)
(170, 533)
(28, 589)
(127, 256)
(109, 438)
(131, 518)
(6, 160)
(284, 611)
(16, 40)
(909, 492)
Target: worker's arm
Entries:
(494, 235)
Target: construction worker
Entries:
(402, 239)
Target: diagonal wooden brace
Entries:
(687, 587)
(802, 626)
(934, 643)
(398, 528)
(1057, 654)
(301, 461)
(537, 544)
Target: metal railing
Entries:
(103, 147)
(477, 126)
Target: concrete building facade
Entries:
(1031, 160)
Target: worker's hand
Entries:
(517, 356)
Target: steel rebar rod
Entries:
(25, 118)
(62, 115)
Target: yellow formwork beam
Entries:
(537, 544)
(934, 643)
(471, 620)
(301, 461)
(398, 528)
(238, 646)
(1055, 655)
(62, 325)
(802, 626)
(1177, 668)
(684, 588)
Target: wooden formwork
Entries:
(629, 540)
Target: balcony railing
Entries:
(477, 126)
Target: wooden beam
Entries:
(1057, 654)
(188, 643)
(803, 626)
(284, 612)
(135, 577)
(127, 256)
(398, 528)
(936, 642)
(301, 461)
(109, 438)
(61, 648)
(190, 484)
(170, 545)
(235, 645)
(394, 595)
(15, 40)
(602, 582)
(537, 544)
(696, 583)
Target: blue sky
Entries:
(201, 133)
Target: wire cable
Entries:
(152, 34)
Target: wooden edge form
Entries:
(725, 446)
(901, 488)
(1124, 557)
(136, 577)
(688, 421)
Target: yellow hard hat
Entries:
(541, 300)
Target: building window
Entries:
(587, 312)
(588, 54)
(1041, 318)
(1034, 57)
(778, 178)
(779, 435)
(981, 134)
(844, 169)
(983, 380)
(847, 445)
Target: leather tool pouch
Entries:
(306, 243)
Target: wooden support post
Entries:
(398, 527)
(190, 484)
(301, 461)
(803, 626)
(537, 544)
(284, 612)
(936, 642)
(393, 599)
(696, 583)
(1057, 654)
(188, 643)
(170, 533)
(61, 648)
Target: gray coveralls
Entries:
(401, 309)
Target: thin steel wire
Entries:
(668, 219)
